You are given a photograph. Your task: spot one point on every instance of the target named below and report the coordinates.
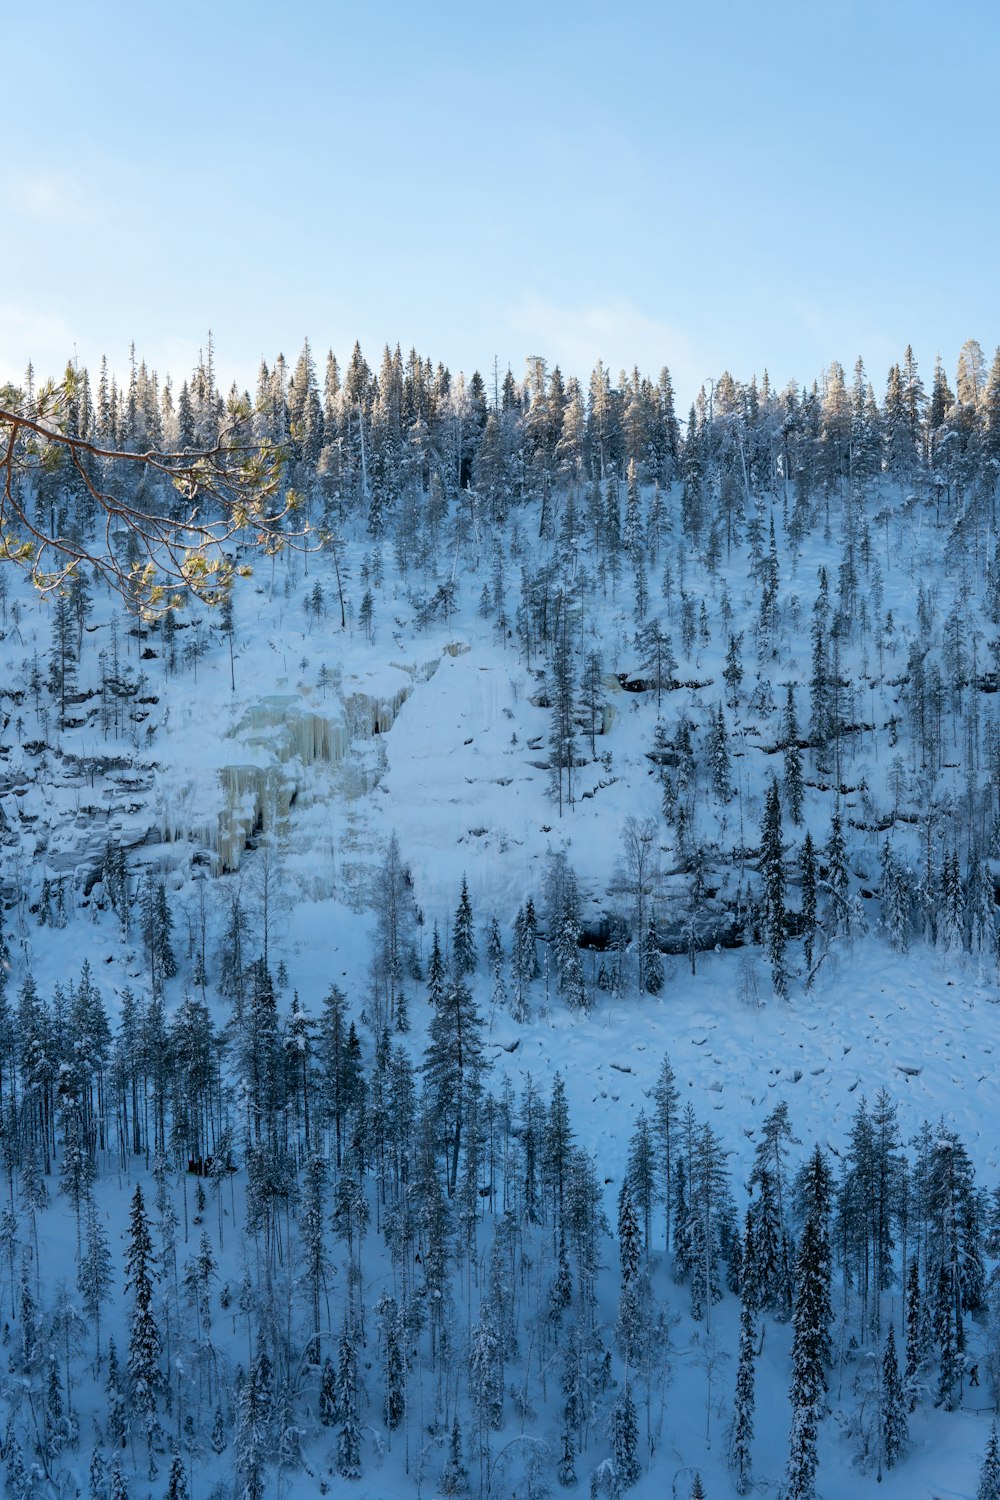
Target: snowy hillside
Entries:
(514, 941)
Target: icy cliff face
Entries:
(273, 759)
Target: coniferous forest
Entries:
(499, 984)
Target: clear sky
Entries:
(725, 185)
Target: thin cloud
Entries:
(48, 198)
(617, 332)
(34, 336)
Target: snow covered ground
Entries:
(328, 744)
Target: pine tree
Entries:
(793, 786)
(177, 1485)
(486, 1373)
(562, 733)
(733, 671)
(989, 1474)
(628, 1234)
(391, 1329)
(455, 1476)
(624, 1433)
(464, 954)
(349, 1437)
(773, 889)
(254, 1436)
(916, 1335)
(838, 882)
(895, 1429)
(117, 1488)
(98, 1477)
(652, 958)
(719, 763)
(453, 1065)
(144, 1336)
(811, 1325)
(94, 1277)
(741, 1430)
(809, 873)
(944, 1329)
(328, 1395)
(642, 1176)
(667, 1095)
(118, 1427)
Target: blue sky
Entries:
(728, 186)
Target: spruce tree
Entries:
(97, 1477)
(254, 1436)
(793, 786)
(464, 954)
(741, 1430)
(811, 1323)
(455, 1476)
(629, 1242)
(624, 1433)
(916, 1335)
(94, 1276)
(895, 1429)
(117, 1488)
(652, 958)
(989, 1474)
(177, 1485)
(328, 1395)
(349, 1437)
(145, 1343)
(809, 873)
(772, 872)
(667, 1095)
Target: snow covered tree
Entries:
(837, 880)
(486, 1374)
(741, 1428)
(328, 1395)
(895, 1428)
(793, 786)
(177, 1485)
(145, 1342)
(349, 1436)
(316, 1262)
(97, 1477)
(157, 927)
(772, 872)
(808, 870)
(455, 1476)
(464, 953)
(642, 1175)
(624, 1434)
(708, 1207)
(895, 894)
(562, 918)
(453, 1066)
(667, 1095)
(989, 1474)
(811, 1324)
(628, 1234)
(117, 1488)
(562, 731)
(717, 755)
(392, 1332)
(94, 1275)
(254, 1427)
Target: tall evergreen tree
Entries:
(772, 872)
(145, 1341)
